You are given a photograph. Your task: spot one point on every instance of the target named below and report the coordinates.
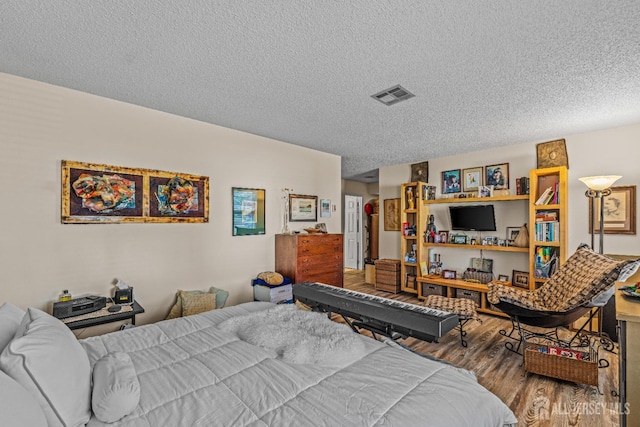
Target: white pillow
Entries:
(10, 318)
(116, 390)
(17, 406)
(47, 360)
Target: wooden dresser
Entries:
(310, 257)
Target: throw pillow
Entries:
(49, 362)
(271, 277)
(176, 310)
(10, 318)
(194, 303)
(116, 389)
(19, 407)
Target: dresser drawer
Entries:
(313, 247)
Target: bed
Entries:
(254, 364)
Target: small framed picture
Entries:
(498, 176)
(512, 233)
(503, 277)
(451, 181)
(474, 242)
(303, 208)
(471, 179)
(460, 239)
(520, 279)
(485, 191)
(444, 236)
(448, 274)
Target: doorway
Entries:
(353, 257)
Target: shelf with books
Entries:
(413, 216)
(548, 212)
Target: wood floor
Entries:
(536, 400)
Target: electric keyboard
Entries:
(388, 317)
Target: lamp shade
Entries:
(599, 183)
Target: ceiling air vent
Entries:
(393, 95)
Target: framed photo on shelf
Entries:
(485, 191)
(503, 277)
(303, 208)
(471, 179)
(512, 233)
(391, 214)
(459, 239)
(451, 181)
(619, 211)
(448, 274)
(444, 236)
(520, 279)
(498, 176)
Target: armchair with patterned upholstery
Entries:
(583, 282)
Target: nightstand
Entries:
(103, 316)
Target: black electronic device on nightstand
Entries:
(78, 306)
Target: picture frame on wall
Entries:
(551, 154)
(497, 176)
(420, 172)
(619, 211)
(325, 208)
(472, 178)
(303, 207)
(391, 214)
(94, 193)
(451, 181)
(248, 208)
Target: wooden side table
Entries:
(103, 316)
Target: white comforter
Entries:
(194, 373)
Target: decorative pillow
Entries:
(197, 303)
(10, 319)
(271, 277)
(176, 310)
(49, 362)
(19, 408)
(116, 390)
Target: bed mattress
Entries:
(192, 372)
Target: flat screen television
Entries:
(473, 218)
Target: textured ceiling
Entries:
(485, 73)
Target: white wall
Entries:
(604, 152)
(41, 124)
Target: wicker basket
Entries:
(388, 275)
(560, 367)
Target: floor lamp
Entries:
(599, 187)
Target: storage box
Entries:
(472, 295)
(370, 273)
(388, 275)
(431, 289)
(275, 294)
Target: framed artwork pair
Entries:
(97, 194)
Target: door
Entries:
(353, 232)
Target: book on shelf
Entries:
(546, 216)
(547, 196)
(548, 231)
(522, 185)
